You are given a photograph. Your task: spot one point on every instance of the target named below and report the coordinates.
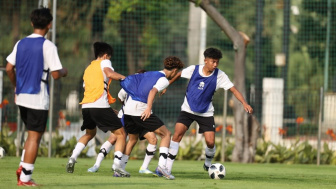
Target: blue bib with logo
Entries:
(200, 90)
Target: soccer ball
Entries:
(217, 171)
(2, 152)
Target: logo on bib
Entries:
(201, 85)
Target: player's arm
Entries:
(240, 97)
(112, 74)
(59, 73)
(150, 101)
(11, 73)
(178, 75)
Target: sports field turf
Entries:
(189, 174)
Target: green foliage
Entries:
(191, 150)
(7, 139)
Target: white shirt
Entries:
(136, 108)
(223, 81)
(51, 61)
(102, 102)
(122, 95)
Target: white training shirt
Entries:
(51, 61)
(122, 95)
(223, 81)
(136, 108)
(102, 102)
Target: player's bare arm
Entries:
(178, 75)
(11, 73)
(112, 74)
(59, 73)
(240, 97)
(150, 101)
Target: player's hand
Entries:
(145, 114)
(163, 92)
(248, 109)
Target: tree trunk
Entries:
(241, 151)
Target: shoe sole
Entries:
(70, 167)
(121, 173)
(169, 177)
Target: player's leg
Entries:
(161, 169)
(182, 125)
(210, 150)
(35, 121)
(31, 149)
(207, 127)
(82, 142)
(104, 150)
(118, 152)
(132, 140)
(150, 152)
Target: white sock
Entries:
(163, 156)
(26, 168)
(173, 150)
(22, 157)
(124, 161)
(78, 149)
(117, 159)
(150, 152)
(104, 150)
(209, 155)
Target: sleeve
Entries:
(122, 95)
(51, 57)
(106, 64)
(187, 72)
(223, 81)
(161, 84)
(12, 57)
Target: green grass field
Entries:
(189, 174)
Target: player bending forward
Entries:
(142, 89)
(197, 106)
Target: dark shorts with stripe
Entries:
(205, 123)
(104, 118)
(135, 125)
(35, 120)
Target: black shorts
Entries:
(35, 120)
(104, 118)
(205, 123)
(135, 125)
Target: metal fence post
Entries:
(320, 127)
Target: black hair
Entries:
(101, 48)
(41, 18)
(172, 62)
(212, 53)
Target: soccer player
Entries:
(96, 108)
(107, 146)
(197, 106)
(29, 65)
(138, 114)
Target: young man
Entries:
(28, 68)
(197, 106)
(96, 108)
(138, 114)
(107, 146)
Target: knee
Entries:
(152, 140)
(210, 144)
